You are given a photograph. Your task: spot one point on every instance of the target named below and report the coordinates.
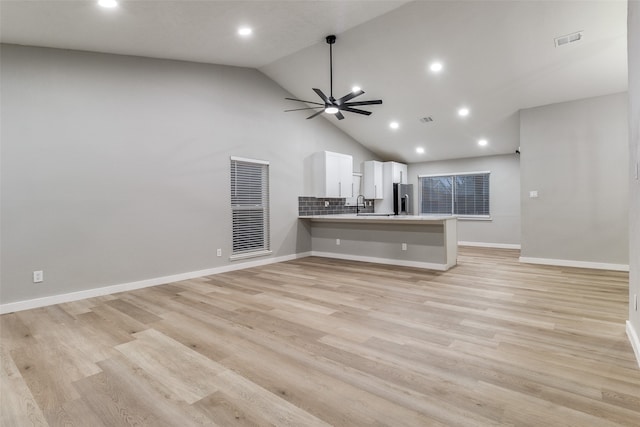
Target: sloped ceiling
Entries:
(498, 56)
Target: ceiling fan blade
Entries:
(373, 102)
(298, 109)
(339, 115)
(350, 96)
(315, 114)
(300, 100)
(355, 110)
(322, 95)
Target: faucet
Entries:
(358, 203)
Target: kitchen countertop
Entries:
(378, 219)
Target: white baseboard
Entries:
(635, 342)
(572, 263)
(386, 261)
(490, 245)
(106, 290)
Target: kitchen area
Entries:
(371, 216)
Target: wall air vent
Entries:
(568, 39)
(425, 119)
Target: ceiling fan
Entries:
(331, 105)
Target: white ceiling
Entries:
(499, 56)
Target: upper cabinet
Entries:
(397, 172)
(373, 180)
(332, 174)
(357, 190)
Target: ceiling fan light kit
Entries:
(331, 105)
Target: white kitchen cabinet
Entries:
(397, 171)
(333, 174)
(392, 173)
(373, 180)
(357, 190)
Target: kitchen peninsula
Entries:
(414, 241)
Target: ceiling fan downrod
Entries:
(331, 40)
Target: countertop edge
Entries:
(415, 219)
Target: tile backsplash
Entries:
(316, 206)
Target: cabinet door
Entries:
(345, 183)
(333, 186)
(399, 171)
(373, 180)
(357, 190)
(403, 174)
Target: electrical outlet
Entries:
(219, 252)
(533, 194)
(404, 246)
(38, 276)
(338, 242)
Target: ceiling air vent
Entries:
(568, 39)
(425, 119)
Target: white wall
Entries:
(116, 169)
(575, 155)
(634, 162)
(504, 202)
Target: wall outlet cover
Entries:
(38, 276)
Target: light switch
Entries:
(533, 194)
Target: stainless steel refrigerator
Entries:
(402, 199)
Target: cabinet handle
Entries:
(340, 189)
(352, 189)
(375, 191)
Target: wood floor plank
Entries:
(319, 341)
(14, 333)
(183, 371)
(18, 407)
(44, 371)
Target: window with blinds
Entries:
(249, 207)
(465, 194)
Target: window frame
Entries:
(238, 206)
(453, 194)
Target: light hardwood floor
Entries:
(324, 342)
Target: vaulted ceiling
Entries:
(498, 57)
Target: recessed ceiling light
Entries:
(436, 67)
(463, 112)
(394, 125)
(482, 142)
(108, 3)
(356, 89)
(420, 150)
(245, 31)
(331, 110)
